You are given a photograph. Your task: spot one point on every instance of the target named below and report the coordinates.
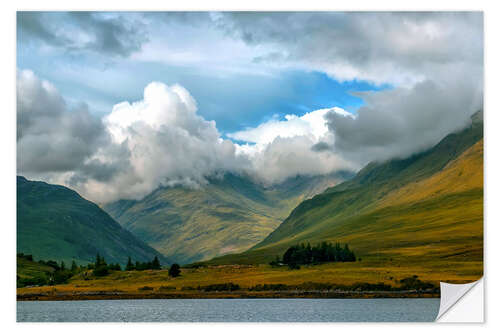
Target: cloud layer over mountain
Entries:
(158, 140)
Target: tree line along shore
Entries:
(100, 280)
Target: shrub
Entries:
(413, 283)
(145, 288)
(265, 287)
(189, 288)
(221, 287)
(62, 276)
(174, 270)
(101, 270)
(28, 257)
(165, 288)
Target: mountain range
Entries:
(425, 209)
(230, 214)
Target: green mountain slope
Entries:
(54, 222)
(423, 210)
(230, 214)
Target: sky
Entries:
(114, 105)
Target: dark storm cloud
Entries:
(76, 31)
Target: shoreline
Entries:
(110, 295)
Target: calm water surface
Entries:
(230, 310)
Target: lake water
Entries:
(230, 310)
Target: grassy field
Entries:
(246, 276)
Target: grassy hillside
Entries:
(29, 269)
(54, 222)
(423, 211)
(230, 214)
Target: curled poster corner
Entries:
(461, 302)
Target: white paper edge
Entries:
(461, 303)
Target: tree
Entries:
(130, 265)
(52, 264)
(73, 266)
(101, 268)
(275, 262)
(61, 276)
(114, 267)
(156, 263)
(174, 270)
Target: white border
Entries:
(7, 198)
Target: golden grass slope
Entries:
(463, 174)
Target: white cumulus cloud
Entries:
(311, 124)
(279, 149)
(167, 142)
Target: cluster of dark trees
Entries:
(142, 266)
(303, 254)
(173, 271)
(101, 268)
(61, 274)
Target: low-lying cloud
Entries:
(162, 140)
(404, 121)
